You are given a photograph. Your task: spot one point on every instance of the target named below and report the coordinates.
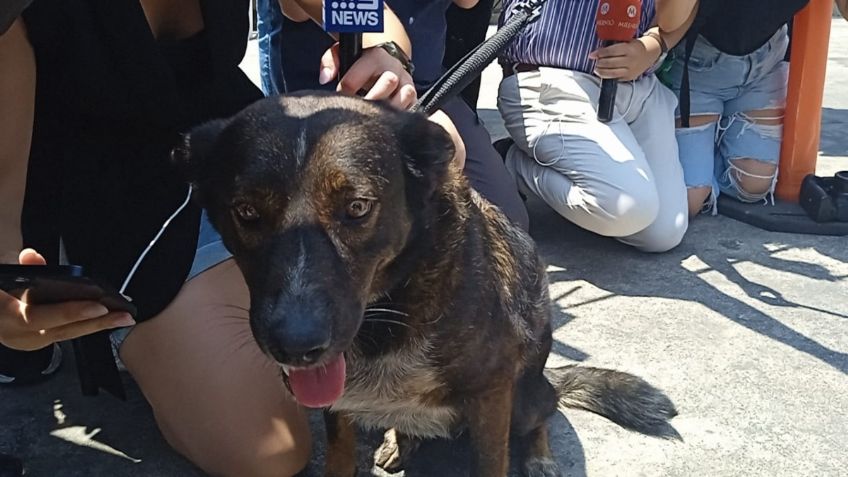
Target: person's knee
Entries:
(268, 466)
(277, 464)
(630, 211)
(661, 244)
(618, 214)
(282, 452)
(697, 197)
(662, 237)
(754, 177)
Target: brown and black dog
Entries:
(388, 290)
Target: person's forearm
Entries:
(673, 14)
(292, 10)
(393, 28)
(17, 100)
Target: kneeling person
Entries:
(619, 179)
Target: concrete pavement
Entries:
(746, 330)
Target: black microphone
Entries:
(350, 18)
(616, 21)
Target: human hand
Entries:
(442, 119)
(626, 61)
(376, 71)
(30, 327)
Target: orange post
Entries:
(802, 123)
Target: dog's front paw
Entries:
(541, 467)
(395, 450)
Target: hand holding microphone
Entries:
(382, 71)
(617, 22)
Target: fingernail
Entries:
(94, 311)
(124, 319)
(325, 75)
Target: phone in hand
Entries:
(47, 284)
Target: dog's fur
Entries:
(438, 302)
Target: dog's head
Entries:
(315, 196)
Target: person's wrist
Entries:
(653, 47)
(657, 35)
(395, 51)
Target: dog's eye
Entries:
(246, 212)
(356, 209)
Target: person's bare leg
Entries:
(758, 176)
(697, 196)
(217, 399)
(17, 107)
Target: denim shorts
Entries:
(210, 252)
(210, 249)
(729, 86)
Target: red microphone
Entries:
(616, 21)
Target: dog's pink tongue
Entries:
(320, 386)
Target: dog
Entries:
(390, 293)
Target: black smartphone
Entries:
(45, 284)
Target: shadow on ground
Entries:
(449, 458)
(637, 275)
(834, 124)
(57, 431)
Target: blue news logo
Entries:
(351, 16)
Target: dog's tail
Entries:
(623, 398)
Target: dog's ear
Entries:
(428, 151)
(191, 155)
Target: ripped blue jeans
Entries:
(730, 86)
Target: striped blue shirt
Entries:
(564, 34)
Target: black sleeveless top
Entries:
(9, 11)
(735, 27)
(740, 27)
(111, 102)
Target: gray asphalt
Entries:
(746, 330)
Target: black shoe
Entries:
(22, 367)
(10, 466)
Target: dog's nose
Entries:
(311, 356)
(300, 343)
(297, 331)
(300, 353)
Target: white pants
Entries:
(621, 179)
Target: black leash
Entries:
(466, 70)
